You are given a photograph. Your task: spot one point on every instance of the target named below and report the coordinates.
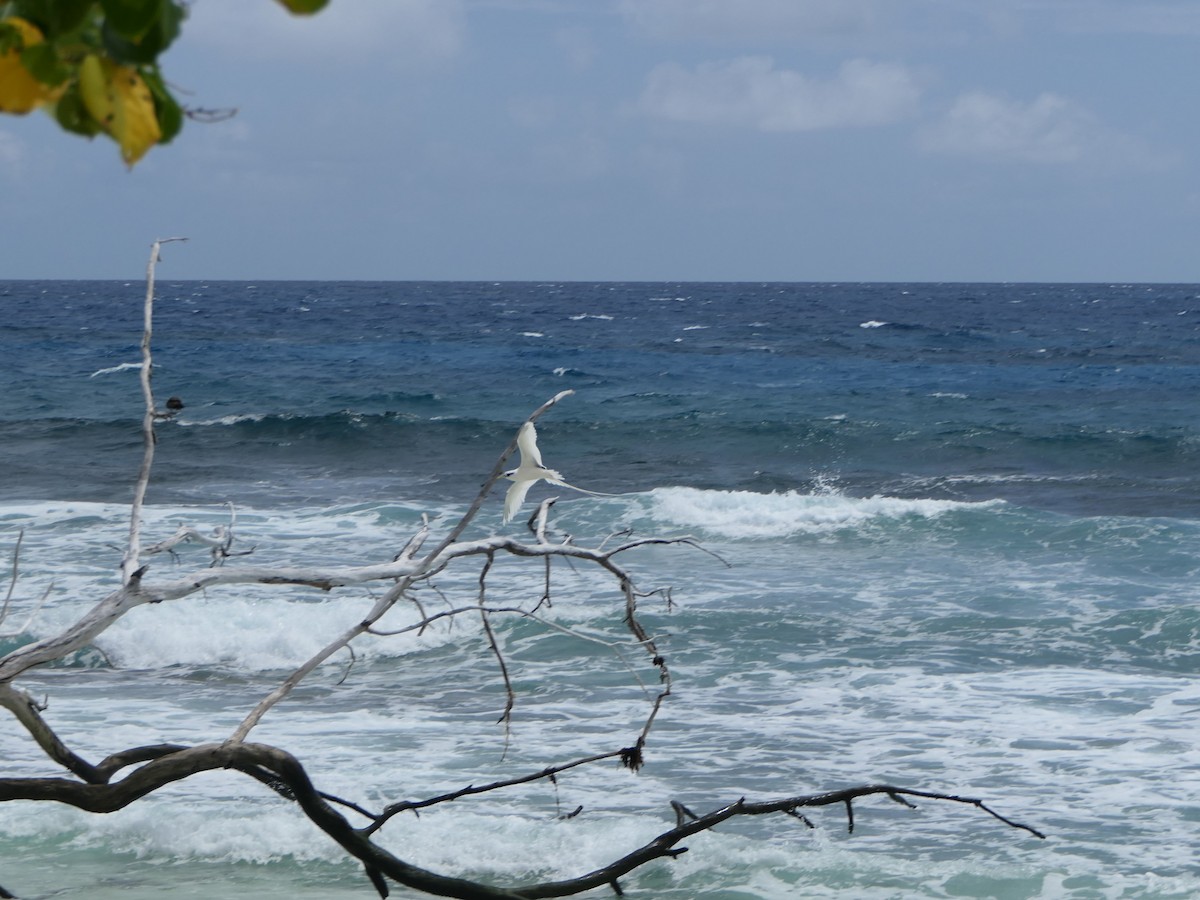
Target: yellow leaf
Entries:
(93, 90)
(19, 90)
(118, 99)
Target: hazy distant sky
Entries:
(755, 140)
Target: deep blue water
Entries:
(1068, 397)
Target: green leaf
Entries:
(54, 18)
(36, 11)
(10, 38)
(131, 18)
(64, 16)
(166, 109)
(166, 29)
(72, 115)
(303, 7)
(43, 63)
(156, 39)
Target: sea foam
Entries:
(746, 514)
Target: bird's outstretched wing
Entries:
(527, 444)
(516, 496)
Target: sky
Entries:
(621, 140)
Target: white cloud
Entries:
(747, 18)
(751, 92)
(1049, 130)
(347, 31)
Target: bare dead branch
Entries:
(209, 116)
(413, 547)
(550, 772)
(219, 541)
(186, 534)
(12, 578)
(130, 563)
(29, 713)
(428, 620)
(682, 813)
(664, 844)
(349, 665)
(510, 696)
(406, 574)
(265, 763)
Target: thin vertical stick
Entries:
(129, 565)
(12, 581)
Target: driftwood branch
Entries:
(219, 541)
(130, 564)
(167, 765)
(13, 576)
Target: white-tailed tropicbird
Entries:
(529, 471)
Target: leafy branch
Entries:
(94, 66)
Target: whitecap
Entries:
(873, 323)
(224, 420)
(121, 368)
(746, 514)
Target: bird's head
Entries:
(511, 474)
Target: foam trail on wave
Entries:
(123, 367)
(746, 514)
(232, 419)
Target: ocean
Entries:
(948, 538)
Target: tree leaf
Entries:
(131, 18)
(168, 111)
(147, 47)
(20, 91)
(43, 63)
(64, 16)
(93, 90)
(303, 7)
(136, 127)
(121, 103)
(72, 115)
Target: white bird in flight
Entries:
(530, 471)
